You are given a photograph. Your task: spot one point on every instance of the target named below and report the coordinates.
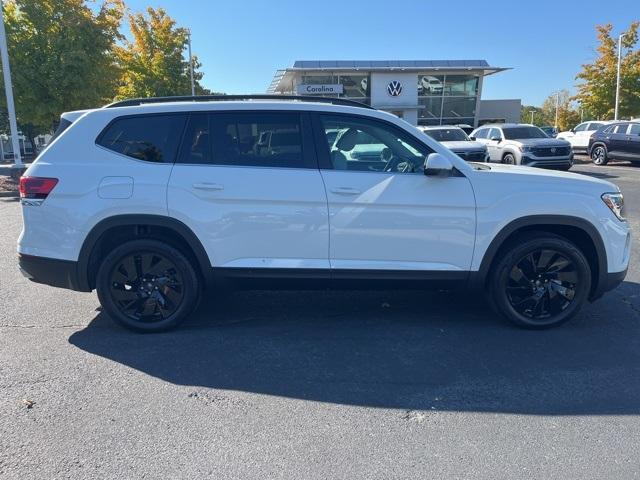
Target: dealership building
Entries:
(423, 92)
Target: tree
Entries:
(568, 116)
(597, 90)
(153, 63)
(539, 116)
(60, 53)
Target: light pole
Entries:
(531, 112)
(615, 115)
(193, 89)
(557, 105)
(8, 88)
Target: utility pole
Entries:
(615, 115)
(557, 105)
(531, 117)
(8, 88)
(193, 88)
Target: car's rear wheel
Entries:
(509, 159)
(147, 285)
(599, 154)
(541, 281)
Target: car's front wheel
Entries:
(147, 285)
(541, 281)
(599, 154)
(509, 159)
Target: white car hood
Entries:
(519, 173)
(463, 145)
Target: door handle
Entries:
(345, 191)
(208, 186)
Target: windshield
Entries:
(447, 134)
(523, 132)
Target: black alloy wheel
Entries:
(542, 284)
(540, 280)
(147, 285)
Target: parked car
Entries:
(552, 132)
(522, 144)
(458, 142)
(150, 201)
(579, 135)
(619, 140)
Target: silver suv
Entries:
(522, 144)
(456, 140)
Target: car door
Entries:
(392, 217)
(633, 137)
(494, 144)
(247, 183)
(580, 137)
(617, 140)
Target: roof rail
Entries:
(228, 98)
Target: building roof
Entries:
(283, 77)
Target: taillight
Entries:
(36, 187)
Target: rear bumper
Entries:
(51, 271)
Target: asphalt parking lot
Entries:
(307, 385)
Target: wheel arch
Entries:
(114, 230)
(574, 229)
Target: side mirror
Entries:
(472, 138)
(496, 139)
(437, 165)
(573, 130)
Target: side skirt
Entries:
(319, 279)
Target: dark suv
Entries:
(619, 140)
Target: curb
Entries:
(9, 194)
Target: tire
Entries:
(541, 281)
(599, 154)
(509, 159)
(147, 285)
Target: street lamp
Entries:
(557, 105)
(193, 89)
(615, 115)
(11, 109)
(531, 117)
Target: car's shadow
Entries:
(406, 350)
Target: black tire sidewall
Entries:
(189, 276)
(593, 160)
(529, 244)
(513, 158)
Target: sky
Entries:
(241, 43)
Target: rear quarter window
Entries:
(151, 138)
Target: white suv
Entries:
(579, 135)
(150, 201)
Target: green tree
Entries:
(568, 116)
(61, 57)
(539, 116)
(153, 62)
(597, 87)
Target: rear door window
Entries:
(258, 139)
(151, 138)
(634, 129)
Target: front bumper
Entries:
(50, 271)
(607, 283)
(547, 162)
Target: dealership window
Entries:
(430, 85)
(459, 85)
(457, 107)
(432, 108)
(355, 86)
(319, 80)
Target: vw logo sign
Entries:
(553, 150)
(394, 88)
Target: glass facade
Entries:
(447, 99)
(442, 99)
